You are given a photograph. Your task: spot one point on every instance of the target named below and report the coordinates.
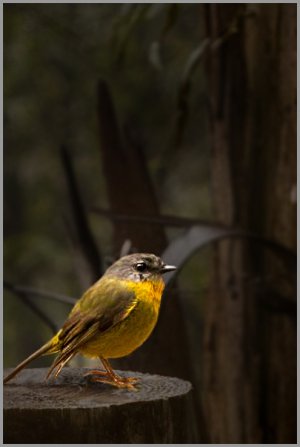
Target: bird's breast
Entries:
(133, 331)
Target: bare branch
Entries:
(24, 297)
(15, 288)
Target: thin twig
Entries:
(188, 222)
(24, 297)
(172, 221)
(16, 288)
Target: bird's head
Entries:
(139, 267)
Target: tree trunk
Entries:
(250, 351)
(72, 410)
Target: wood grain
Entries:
(71, 409)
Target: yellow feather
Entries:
(133, 331)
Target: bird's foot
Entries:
(112, 379)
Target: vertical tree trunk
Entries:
(250, 352)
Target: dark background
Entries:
(168, 128)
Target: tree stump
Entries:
(71, 409)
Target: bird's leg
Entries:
(114, 376)
(111, 377)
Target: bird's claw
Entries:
(117, 381)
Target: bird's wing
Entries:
(94, 313)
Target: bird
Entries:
(113, 318)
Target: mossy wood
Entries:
(72, 410)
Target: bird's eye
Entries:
(141, 266)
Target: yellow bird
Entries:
(112, 318)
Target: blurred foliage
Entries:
(54, 55)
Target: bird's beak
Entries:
(167, 268)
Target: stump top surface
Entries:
(72, 390)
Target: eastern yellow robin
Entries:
(112, 318)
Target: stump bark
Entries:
(71, 409)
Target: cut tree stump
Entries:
(71, 409)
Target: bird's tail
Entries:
(51, 347)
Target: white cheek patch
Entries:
(138, 277)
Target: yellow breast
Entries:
(133, 331)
